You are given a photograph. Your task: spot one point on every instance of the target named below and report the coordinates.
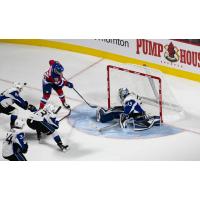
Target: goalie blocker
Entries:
(130, 113)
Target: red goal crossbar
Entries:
(110, 67)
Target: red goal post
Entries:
(110, 67)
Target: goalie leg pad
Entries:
(104, 116)
(141, 125)
(157, 121)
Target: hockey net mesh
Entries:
(150, 84)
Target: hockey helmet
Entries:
(19, 123)
(50, 108)
(58, 68)
(19, 86)
(51, 62)
(123, 93)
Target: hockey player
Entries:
(53, 79)
(131, 111)
(44, 121)
(12, 96)
(14, 145)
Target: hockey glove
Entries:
(32, 108)
(69, 85)
(25, 105)
(123, 120)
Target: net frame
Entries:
(111, 67)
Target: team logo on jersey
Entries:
(171, 53)
(56, 80)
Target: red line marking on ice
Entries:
(92, 65)
(196, 131)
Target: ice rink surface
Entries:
(88, 74)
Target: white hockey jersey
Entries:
(9, 143)
(50, 119)
(132, 104)
(11, 96)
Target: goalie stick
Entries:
(91, 106)
(105, 128)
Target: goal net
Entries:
(150, 84)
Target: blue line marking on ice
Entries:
(83, 118)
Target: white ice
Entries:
(27, 63)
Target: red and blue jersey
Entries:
(51, 77)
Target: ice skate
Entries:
(67, 106)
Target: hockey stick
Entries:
(105, 128)
(65, 116)
(91, 106)
(58, 109)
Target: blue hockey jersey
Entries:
(132, 105)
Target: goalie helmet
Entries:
(19, 86)
(123, 93)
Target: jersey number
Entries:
(130, 103)
(9, 139)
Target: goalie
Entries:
(130, 112)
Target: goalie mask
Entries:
(123, 93)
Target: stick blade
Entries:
(108, 127)
(92, 106)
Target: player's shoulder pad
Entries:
(20, 135)
(130, 97)
(15, 93)
(11, 91)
